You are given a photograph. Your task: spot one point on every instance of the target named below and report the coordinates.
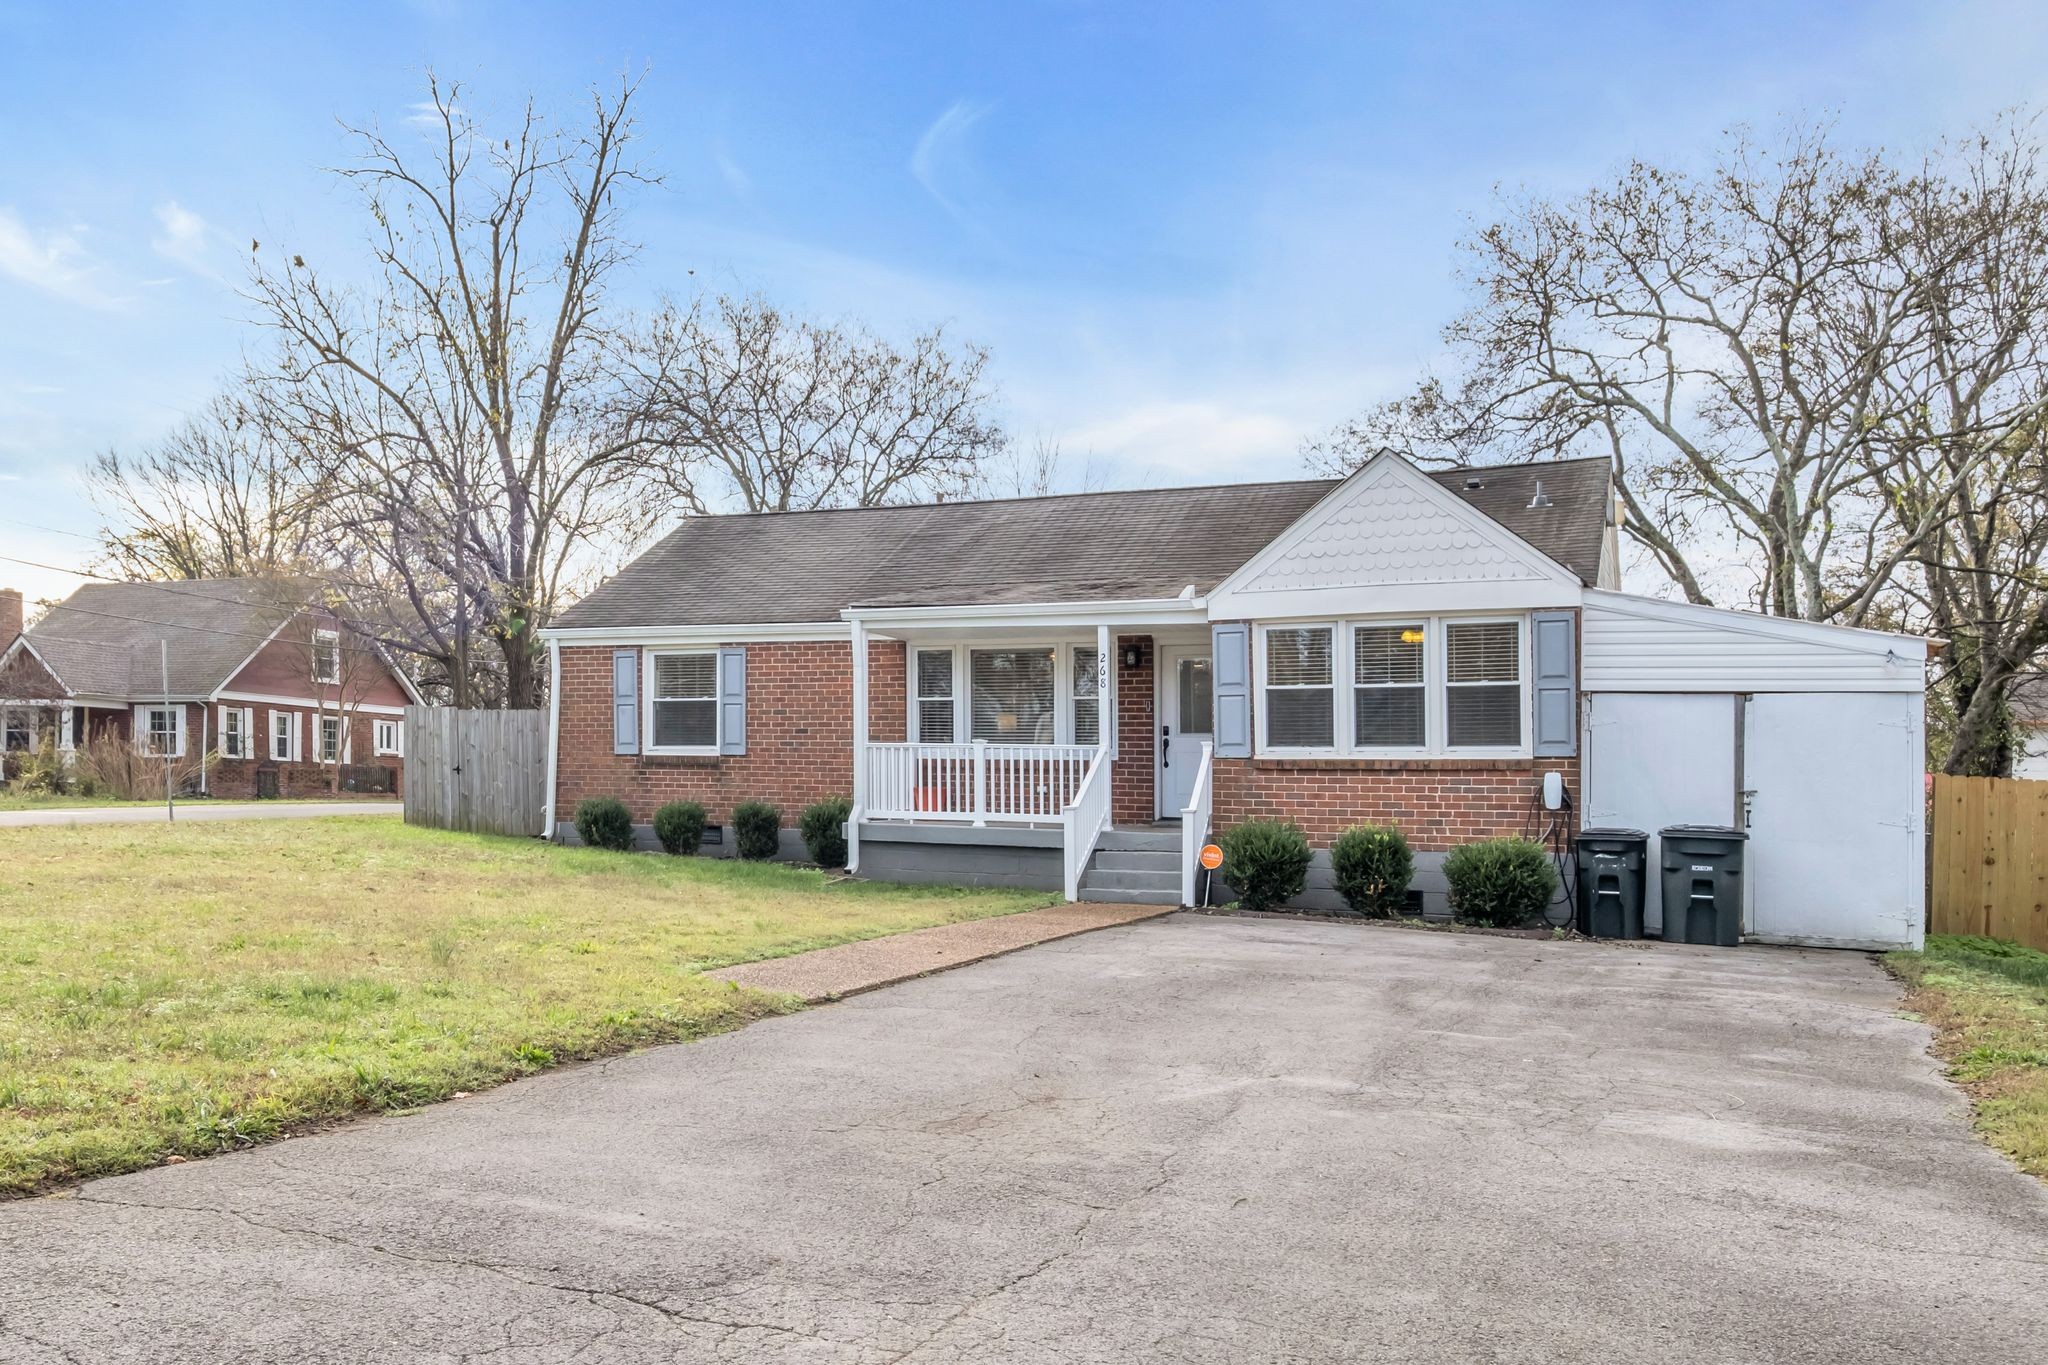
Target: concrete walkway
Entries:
(833, 973)
(196, 810)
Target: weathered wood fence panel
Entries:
(1989, 863)
(484, 772)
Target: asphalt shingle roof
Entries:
(103, 640)
(778, 567)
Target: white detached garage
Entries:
(1808, 736)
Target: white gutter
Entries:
(554, 735)
(738, 633)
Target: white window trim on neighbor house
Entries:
(330, 640)
(1064, 693)
(343, 736)
(243, 731)
(388, 738)
(291, 737)
(144, 727)
(649, 700)
(1435, 688)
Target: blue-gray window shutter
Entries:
(625, 701)
(732, 701)
(1231, 671)
(1556, 681)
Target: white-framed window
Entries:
(933, 696)
(1300, 693)
(389, 737)
(1417, 686)
(284, 736)
(1389, 690)
(20, 725)
(330, 737)
(1484, 703)
(682, 702)
(1011, 694)
(160, 730)
(237, 732)
(326, 656)
(1087, 693)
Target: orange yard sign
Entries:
(1212, 857)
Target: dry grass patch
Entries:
(185, 989)
(1987, 1001)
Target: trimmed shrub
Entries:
(1372, 866)
(604, 822)
(823, 825)
(1503, 883)
(1267, 861)
(680, 827)
(756, 829)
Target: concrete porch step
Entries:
(1107, 896)
(1116, 879)
(1127, 840)
(1136, 860)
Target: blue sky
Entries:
(1192, 234)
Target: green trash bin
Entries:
(1611, 868)
(1702, 867)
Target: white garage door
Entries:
(1655, 759)
(1835, 854)
(1835, 846)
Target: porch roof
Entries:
(1136, 545)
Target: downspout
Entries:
(858, 641)
(554, 735)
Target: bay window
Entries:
(683, 696)
(1418, 687)
(1300, 688)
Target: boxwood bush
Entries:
(1503, 883)
(1372, 866)
(1267, 861)
(756, 829)
(823, 825)
(604, 822)
(680, 827)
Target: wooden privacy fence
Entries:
(1988, 867)
(484, 772)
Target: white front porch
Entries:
(1012, 752)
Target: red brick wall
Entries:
(1438, 803)
(799, 733)
(284, 668)
(1131, 777)
(235, 778)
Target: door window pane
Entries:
(1010, 692)
(1197, 701)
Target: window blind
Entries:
(685, 701)
(1483, 695)
(1011, 695)
(935, 696)
(1300, 701)
(1387, 697)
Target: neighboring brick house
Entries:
(275, 698)
(1075, 692)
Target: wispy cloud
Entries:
(943, 163)
(735, 175)
(55, 262)
(185, 239)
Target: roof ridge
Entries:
(1020, 497)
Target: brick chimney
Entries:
(10, 617)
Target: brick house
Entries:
(276, 698)
(1076, 692)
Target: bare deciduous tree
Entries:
(764, 412)
(1826, 370)
(217, 498)
(467, 413)
(1043, 469)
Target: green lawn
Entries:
(1988, 1003)
(185, 989)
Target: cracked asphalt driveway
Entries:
(1193, 1139)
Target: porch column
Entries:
(1106, 669)
(67, 740)
(860, 715)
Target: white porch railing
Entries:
(1085, 820)
(1194, 827)
(979, 782)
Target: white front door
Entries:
(1186, 708)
